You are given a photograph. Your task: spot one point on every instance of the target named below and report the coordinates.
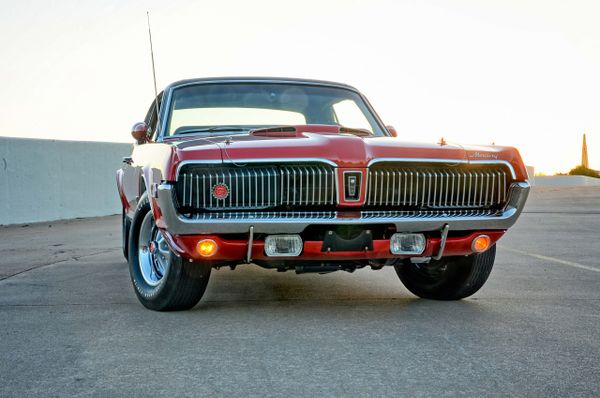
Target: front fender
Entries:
(152, 178)
(122, 196)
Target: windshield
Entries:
(239, 107)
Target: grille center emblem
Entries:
(220, 191)
(352, 185)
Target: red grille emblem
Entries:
(220, 191)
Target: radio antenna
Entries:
(156, 105)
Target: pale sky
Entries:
(522, 73)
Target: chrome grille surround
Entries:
(295, 222)
(331, 215)
(256, 187)
(436, 187)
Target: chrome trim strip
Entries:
(279, 160)
(332, 163)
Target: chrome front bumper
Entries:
(296, 222)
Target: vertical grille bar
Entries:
(184, 189)
(197, 191)
(320, 190)
(326, 200)
(452, 174)
(416, 186)
(381, 187)
(394, 189)
(191, 189)
(405, 187)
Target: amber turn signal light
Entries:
(206, 247)
(481, 243)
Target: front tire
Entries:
(162, 280)
(451, 278)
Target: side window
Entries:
(151, 118)
(348, 114)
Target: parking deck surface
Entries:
(70, 323)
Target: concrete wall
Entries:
(45, 180)
(567, 181)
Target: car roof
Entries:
(256, 79)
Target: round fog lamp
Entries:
(481, 243)
(206, 247)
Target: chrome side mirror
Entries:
(139, 132)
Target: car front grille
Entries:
(437, 187)
(313, 187)
(257, 187)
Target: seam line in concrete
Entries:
(56, 262)
(555, 260)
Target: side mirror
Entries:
(392, 131)
(139, 132)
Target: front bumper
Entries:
(237, 250)
(295, 222)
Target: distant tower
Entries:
(584, 155)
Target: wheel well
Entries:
(142, 186)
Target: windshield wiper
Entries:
(214, 129)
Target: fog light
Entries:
(283, 245)
(407, 243)
(481, 243)
(206, 247)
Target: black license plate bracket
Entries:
(335, 243)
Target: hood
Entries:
(344, 150)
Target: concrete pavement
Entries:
(70, 324)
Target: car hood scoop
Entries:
(297, 131)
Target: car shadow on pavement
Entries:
(254, 289)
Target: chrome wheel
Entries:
(162, 280)
(153, 252)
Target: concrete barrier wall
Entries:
(45, 180)
(566, 181)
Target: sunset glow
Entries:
(517, 73)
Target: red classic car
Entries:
(302, 175)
